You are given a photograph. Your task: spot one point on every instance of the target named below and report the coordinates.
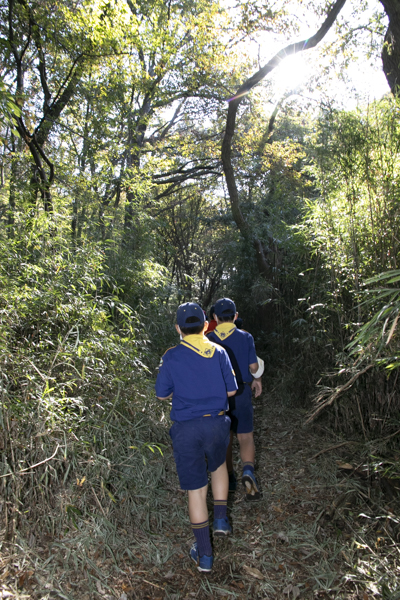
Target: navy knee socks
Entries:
(202, 534)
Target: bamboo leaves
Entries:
(378, 335)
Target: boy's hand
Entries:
(257, 386)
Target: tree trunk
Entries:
(391, 46)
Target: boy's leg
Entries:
(188, 439)
(198, 504)
(244, 416)
(220, 485)
(198, 515)
(247, 448)
(247, 455)
(242, 424)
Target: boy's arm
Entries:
(253, 367)
(164, 384)
(256, 385)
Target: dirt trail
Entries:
(316, 534)
(299, 541)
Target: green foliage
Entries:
(145, 286)
(195, 241)
(9, 110)
(73, 389)
(353, 225)
(64, 331)
(121, 109)
(87, 301)
(377, 339)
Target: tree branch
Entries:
(234, 102)
(61, 100)
(181, 174)
(333, 395)
(42, 62)
(33, 466)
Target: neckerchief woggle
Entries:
(199, 344)
(224, 330)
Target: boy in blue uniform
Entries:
(198, 375)
(241, 350)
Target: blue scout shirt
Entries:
(199, 384)
(241, 350)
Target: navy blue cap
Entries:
(192, 312)
(224, 307)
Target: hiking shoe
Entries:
(232, 482)
(222, 527)
(250, 484)
(204, 563)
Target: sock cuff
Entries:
(248, 465)
(199, 525)
(220, 502)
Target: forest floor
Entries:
(324, 529)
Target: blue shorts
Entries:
(241, 411)
(195, 441)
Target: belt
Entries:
(221, 412)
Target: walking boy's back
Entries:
(240, 347)
(199, 377)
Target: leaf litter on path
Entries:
(313, 535)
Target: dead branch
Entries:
(33, 466)
(333, 396)
(386, 438)
(332, 448)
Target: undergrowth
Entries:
(77, 423)
(90, 499)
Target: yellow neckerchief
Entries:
(199, 344)
(224, 330)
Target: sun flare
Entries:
(291, 74)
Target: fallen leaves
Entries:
(253, 572)
(345, 466)
(292, 590)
